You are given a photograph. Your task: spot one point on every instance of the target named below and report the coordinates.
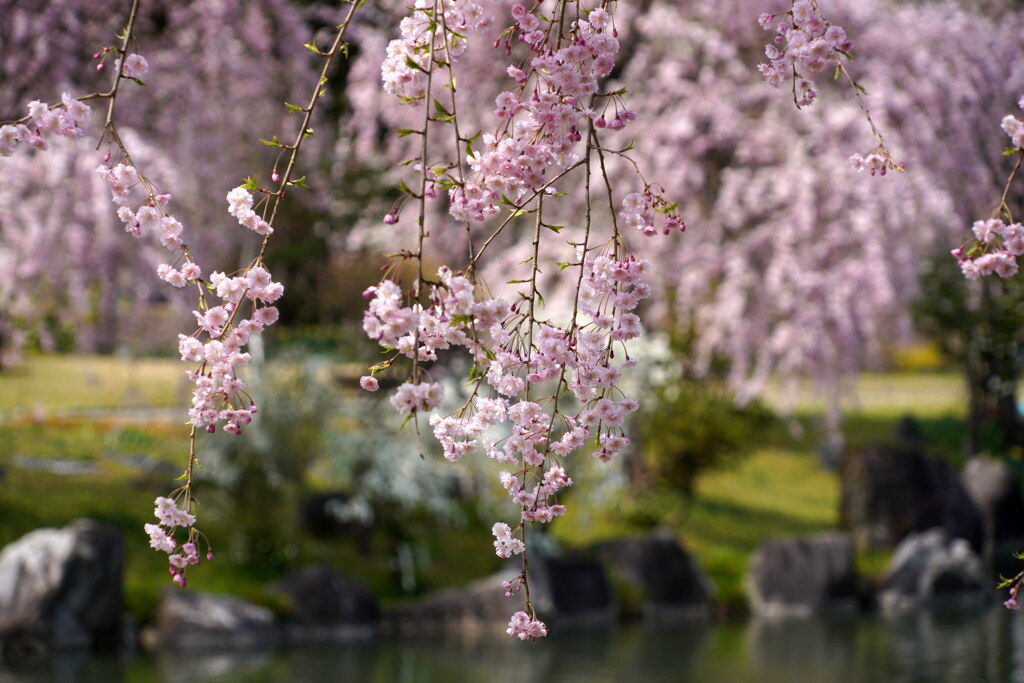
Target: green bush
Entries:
(688, 427)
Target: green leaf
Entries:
(311, 46)
(139, 81)
(272, 143)
(835, 76)
(562, 265)
(250, 184)
(402, 187)
(301, 182)
(441, 114)
(293, 107)
(554, 228)
(402, 132)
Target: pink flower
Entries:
(369, 383)
(135, 66)
(158, 538)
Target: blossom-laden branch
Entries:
(540, 389)
(223, 331)
(999, 240)
(806, 43)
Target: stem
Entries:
(1003, 206)
(339, 40)
(129, 31)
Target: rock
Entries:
(324, 605)
(570, 591)
(801, 577)
(189, 620)
(996, 492)
(668, 580)
(891, 491)
(480, 605)
(62, 589)
(929, 568)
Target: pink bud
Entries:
(106, 157)
(275, 177)
(209, 556)
(99, 67)
(210, 429)
(390, 218)
(600, 123)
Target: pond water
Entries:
(932, 647)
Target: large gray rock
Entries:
(325, 605)
(801, 577)
(567, 591)
(62, 589)
(668, 580)
(188, 620)
(929, 569)
(891, 491)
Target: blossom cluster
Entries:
(805, 43)
(162, 538)
(523, 627)
(66, 119)
(876, 162)
(995, 249)
(1014, 127)
(425, 38)
(638, 211)
(996, 243)
(219, 394)
(523, 366)
(541, 125)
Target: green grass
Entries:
(888, 394)
(55, 383)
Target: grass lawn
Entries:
(118, 466)
(55, 383)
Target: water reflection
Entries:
(986, 646)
